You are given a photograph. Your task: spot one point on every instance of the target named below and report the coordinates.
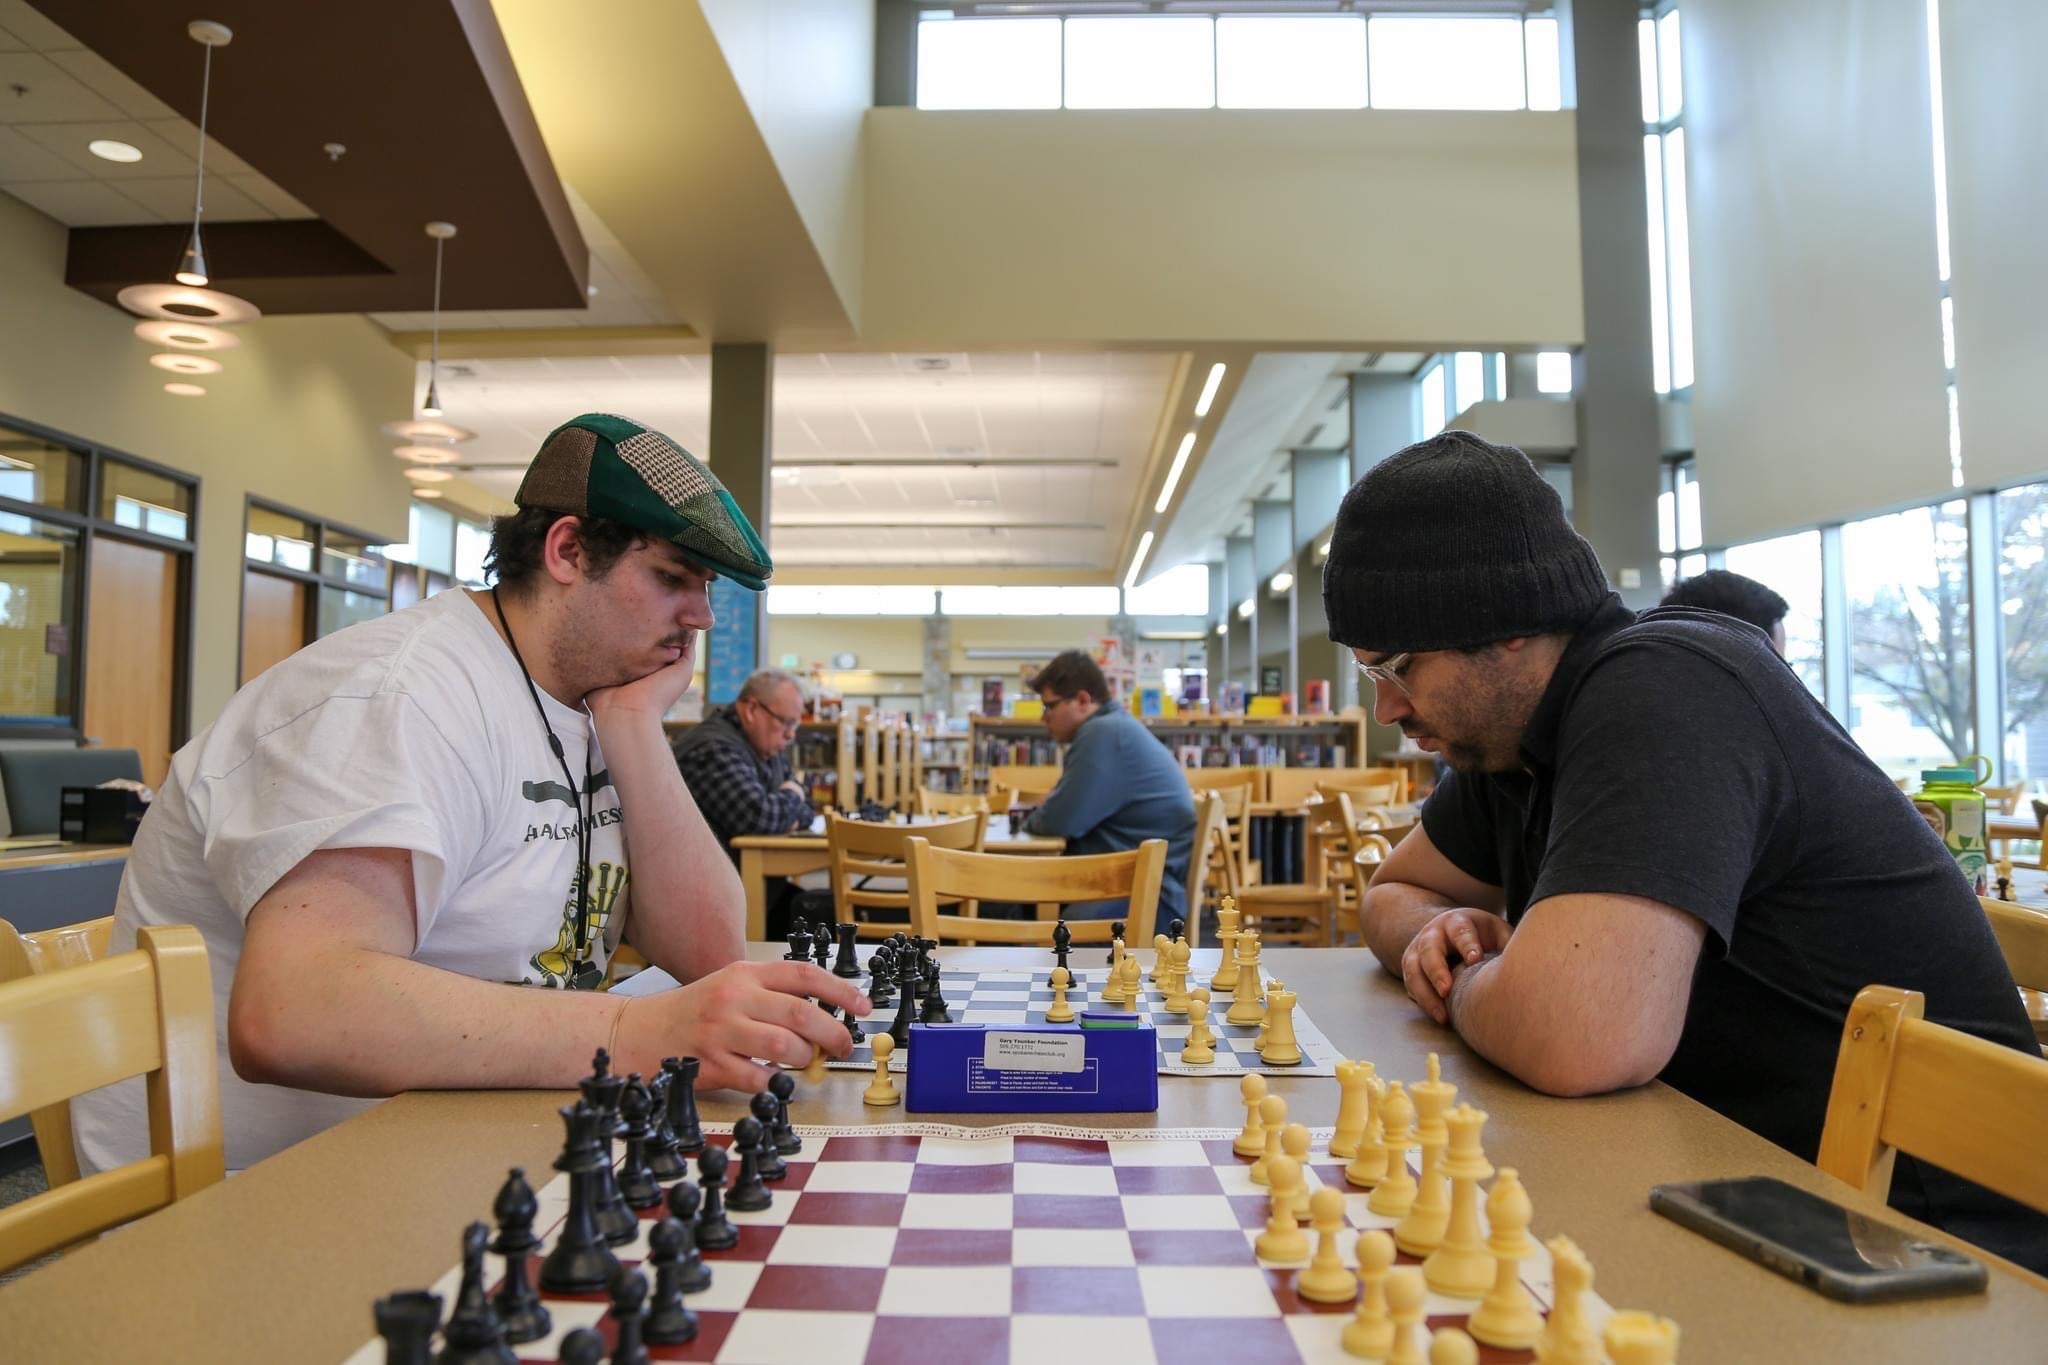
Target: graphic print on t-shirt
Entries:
(559, 965)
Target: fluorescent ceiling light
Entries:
(108, 149)
(1223, 627)
(185, 390)
(1246, 608)
(1180, 462)
(1281, 581)
(1323, 550)
(426, 492)
(1214, 383)
(1138, 561)
(422, 474)
(178, 363)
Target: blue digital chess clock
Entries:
(1104, 1062)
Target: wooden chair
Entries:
(143, 1013)
(1306, 912)
(1365, 795)
(866, 863)
(1222, 779)
(2023, 937)
(1237, 828)
(1002, 798)
(1369, 851)
(50, 950)
(938, 874)
(1292, 786)
(930, 802)
(1937, 1093)
(1212, 872)
(1032, 779)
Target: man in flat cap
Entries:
(1657, 856)
(412, 847)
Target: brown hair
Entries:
(519, 544)
(1070, 672)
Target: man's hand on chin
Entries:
(650, 696)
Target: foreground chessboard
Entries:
(1024, 1243)
(1022, 996)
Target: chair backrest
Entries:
(1291, 786)
(1903, 1084)
(2003, 800)
(50, 950)
(1211, 858)
(35, 780)
(1030, 777)
(939, 874)
(1364, 796)
(144, 1013)
(930, 802)
(1219, 779)
(861, 851)
(2023, 938)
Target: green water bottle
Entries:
(1950, 801)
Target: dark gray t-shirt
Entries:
(1675, 757)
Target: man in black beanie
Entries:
(1656, 855)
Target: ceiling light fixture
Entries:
(1223, 627)
(425, 454)
(109, 149)
(1281, 582)
(429, 430)
(422, 474)
(1246, 608)
(187, 336)
(185, 390)
(179, 363)
(1214, 383)
(192, 265)
(440, 232)
(1180, 462)
(187, 303)
(1138, 561)
(426, 492)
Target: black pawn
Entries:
(474, 1335)
(693, 1273)
(407, 1321)
(768, 1163)
(682, 1104)
(1116, 931)
(853, 1031)
(882, 969)
(584, 1346)
(934, 1010)
(1062, 941)
(517, 1305)
(1175, 930)
(629, 1315)
(602, 1089)
(847, 964)
(663, 1158)
(581, 1261)
(748, 1194)
(669, 1320)
(715, 1231)
(899, 1028)
(821, 947)
(637, 1185)
(782, 1085)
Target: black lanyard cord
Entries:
(577, 795)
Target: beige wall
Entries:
(293, 418)
(1124, 226)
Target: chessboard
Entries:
(1012, 997)
(1020, 1243)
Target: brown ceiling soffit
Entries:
(423, 94)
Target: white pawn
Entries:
(1405, 1293)
(1568, 1337)
(1061, 1012)
(1273, 1117)
(1326, 1280)
(1252, 1141)
(1370, 1333)
(1177, 977)
(1450, 1346)
(1282, 1239)
(1200, 1048)
(882, 1090)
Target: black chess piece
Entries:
(407, 1321)
(693, 1272)
(1116, 931)
(1062, 941)
(682, 1104)
(934, 1010)
(768, 1161)
(853, 1029)
(602, 1088)
(1175, 930)
(906, 1000)
(474, 1334)
(664, 1158)
(748, 1194)
(882, 971)
(821, 948)
(715, 1231)
(637, 1185)
(584, 1346)
(847, 964)
(525, 1317)
(799, 942)
(581, 1261)
(629, 1317)
(669, 1320)
(782, 1085)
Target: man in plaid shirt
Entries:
(734, 766)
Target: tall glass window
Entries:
(1435, 399)
(1431, 62)
(1679, 535)
(2023, 629)
(39, 619)
(1290, 62)
(1148, 62)
(1791, 567)
(1908, 582)
(1670, 244)
(988, 64)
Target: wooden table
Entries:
(45, 886)
(792, 855)
(2011, 827)
(283, 1261)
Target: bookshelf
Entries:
(1196, 741)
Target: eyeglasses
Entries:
(1388, 671)
(788, 723)
(1054, 705)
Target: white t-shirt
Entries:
(412, 731)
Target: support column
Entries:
(742, 427)
(1615, 469)
(1382, 418)
(1242, 578)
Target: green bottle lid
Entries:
(1966, 777)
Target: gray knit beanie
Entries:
(1451, 543)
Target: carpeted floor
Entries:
(15, 1186)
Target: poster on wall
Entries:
(729, 644)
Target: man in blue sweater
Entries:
(1120, 786)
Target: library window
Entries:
(2023, 630)
(1791, 567)
(303, 579)
(1910, 653)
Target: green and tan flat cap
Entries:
(602, 465)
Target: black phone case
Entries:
(1930, 1278)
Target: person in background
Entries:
(1731, 594)
(1119, 786)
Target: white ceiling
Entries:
(55, 97)
(966, 461)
